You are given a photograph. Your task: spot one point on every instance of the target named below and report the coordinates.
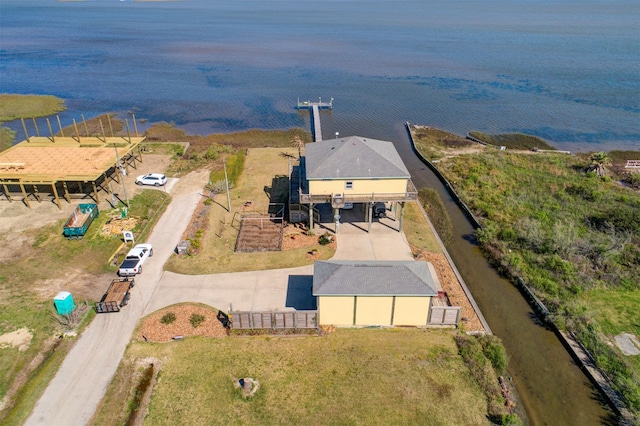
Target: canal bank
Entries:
(551, 385)
(580, 355)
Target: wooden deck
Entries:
(315, 108)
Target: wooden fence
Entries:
(444, 315)
(242, 320)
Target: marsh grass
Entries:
(573, 236)
(13, 107)
(365, 376)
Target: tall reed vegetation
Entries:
(569, 232)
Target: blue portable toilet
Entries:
(64, 303)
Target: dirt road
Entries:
(73, 395)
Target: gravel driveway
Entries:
(74, 393)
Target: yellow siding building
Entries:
(350, 170)
(367, 293)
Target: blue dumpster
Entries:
(64, 303)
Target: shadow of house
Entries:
(299, 294)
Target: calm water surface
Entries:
(566, 71)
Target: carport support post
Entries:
(401, 215)
(370, 208)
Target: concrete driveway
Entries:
(271, 290)
(278, 289)
(382, 242)
(74, 393)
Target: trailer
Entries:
(116, 296)
(78, 223)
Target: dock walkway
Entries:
(315, 108)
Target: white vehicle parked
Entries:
(132, 264)
(155, 179)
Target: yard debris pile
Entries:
(116, 225)
(153, 330)
(452, 287)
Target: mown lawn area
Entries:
(262, 178)
(365, 376)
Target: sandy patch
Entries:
(20, 338)
(628, 344)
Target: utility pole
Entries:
(226, 181)
(119, 170)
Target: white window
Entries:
(348, 184)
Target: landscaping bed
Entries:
(152, 329)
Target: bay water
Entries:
(563, 70)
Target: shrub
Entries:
(211, 154)
(325, 239)
(494, 351)
(168, 318)
(196, 320)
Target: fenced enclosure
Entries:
(444, 315)
(246, 320)
(259, 231)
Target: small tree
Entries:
(598, 162)
(296, 142)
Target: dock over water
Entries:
(315, 108)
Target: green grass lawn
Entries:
(351, 376)
(256, 183)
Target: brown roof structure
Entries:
(65, 161)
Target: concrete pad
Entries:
(267, 290)
(628, 344)
(382, 242)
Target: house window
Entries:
(348, 184)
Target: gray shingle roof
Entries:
(373, 278)
(354, 157)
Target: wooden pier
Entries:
(315, 108)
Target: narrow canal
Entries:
(552, 388)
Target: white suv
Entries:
(155, 179)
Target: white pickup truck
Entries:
(132, 264)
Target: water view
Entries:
(562, 70)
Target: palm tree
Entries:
(296, 142)
(598, 162)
